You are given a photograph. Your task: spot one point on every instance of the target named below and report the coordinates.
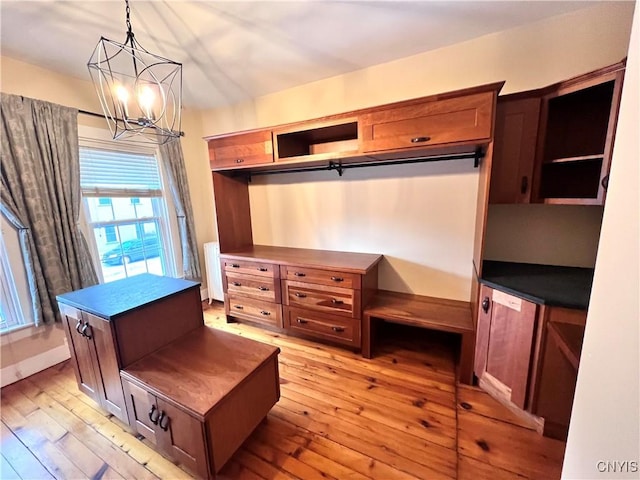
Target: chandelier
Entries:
(140, 92)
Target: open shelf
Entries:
(571, 178)
(577, 159)
(321, 140)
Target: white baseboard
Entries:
(34, 364)
(204, 294)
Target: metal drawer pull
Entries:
(235, 265)
(486, 304)
(86, 331)
(265, 313)
(337, 279)
(236, 284)
(263, 269)
(239, 160)
(152, 418)
(420, 139)
(78, 326)
(300, 295)
(301, 321)
(263, 289)
(338, 329)
(239, 307)
(335, 301)
(299, 274)
(164, 426)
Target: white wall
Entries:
(416, 214)
(605, 422)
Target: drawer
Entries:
(334, 300)
(247, 149)
(254, 310)
(260, 288)
(327, 327)
(250, 268)
(460, 119)
(323, 277)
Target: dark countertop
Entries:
(568, 287)
(109, 300)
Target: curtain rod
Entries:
(92, 114)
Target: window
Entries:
(14, 293)
(126, 210)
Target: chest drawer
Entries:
(247, 149)
(451, 120)
(250, 268)
(254, 310)
(334, 300)
(320, 325)
(260, 288)
(322, 277)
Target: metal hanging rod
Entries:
(340, 168)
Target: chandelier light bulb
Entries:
(123, 96)
(146, 97)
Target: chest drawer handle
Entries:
(239, 307)
(86, 331)
(300, 295)
(265, 313)
(239, 160)
(486, 304)
(79, 326)
(301, 321)
(335, 301)
(154, 414)
(263, 269)
(299, 274)
(338, 329)
(337, 279)
(263, 289)
(236, 284)
(420, 139)
(235, 265)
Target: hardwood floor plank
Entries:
(480, 402)
(86, 460)
(472, 469)
(508, 447)
(257, 465)
(6, 470)
(236, 471)
(22, 460)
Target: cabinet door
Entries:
(514, 150)
(143, 411)
(511, 336)
(241, 150)
(181, 437)
(80, 349)
(103, 350)
(484, 326)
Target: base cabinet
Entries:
(94, 358)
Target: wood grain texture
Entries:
(241, 150)
(233, 213)
(339, 415)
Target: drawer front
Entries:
(250, 268)
(260, 288)
(241, 150)
(253, 310)
(327, 327)
(322, 277)
(452, 120)
(333, 300)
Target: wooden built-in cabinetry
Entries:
(527, 356)
(315, 293)
(554, 145)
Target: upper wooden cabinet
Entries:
(241, 150)
(514, 150)
(554, 145)
(464, 118)
(459, 122)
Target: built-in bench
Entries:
(424, 312)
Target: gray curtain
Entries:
(41, 197)
(173, 160)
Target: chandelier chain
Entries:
(128, 10)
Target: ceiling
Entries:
(235, 50)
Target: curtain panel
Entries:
(40, 196)
(173, 160)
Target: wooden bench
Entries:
(424, 312)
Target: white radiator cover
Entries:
(214, 271)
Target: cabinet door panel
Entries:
(513, 324)
(104, 357)
(80, 353)
(142, 408)
(514, 153)
(181, 438)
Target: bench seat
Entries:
(424, 312)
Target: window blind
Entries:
(111, 173)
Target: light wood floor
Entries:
(398, 416)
